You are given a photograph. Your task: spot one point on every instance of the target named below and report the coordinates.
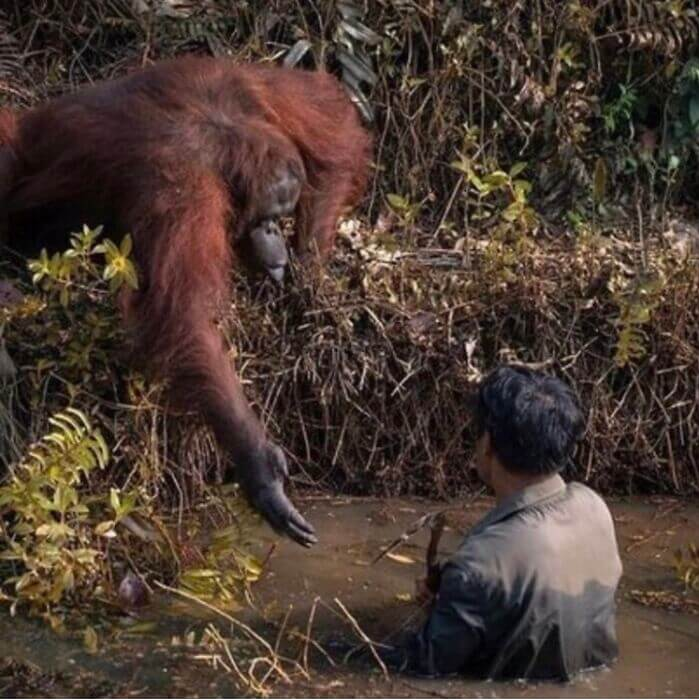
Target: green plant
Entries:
(350, 41)
(79, 324)
(406, 210)
(225, 566)
(514, 208)
(77, 513)
(636, 300)
(619, 112)
(50, 539)
(687, 566)
(118, 269)
(68, 272)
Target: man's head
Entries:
(527, 424)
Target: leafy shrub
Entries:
(85, 499)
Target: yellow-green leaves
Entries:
(77, 313)
(512, 192)
(224, 566)
(636, 301)
(407, 211)
(64, 273)
(43, 267)
(686, 566)
(119, 268)
(51, 534)
(122, 503)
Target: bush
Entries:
(86, 499)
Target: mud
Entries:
(658, 625)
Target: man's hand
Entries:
(423, 593)
(426, 588)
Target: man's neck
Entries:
(506, 483)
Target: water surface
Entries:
(659, 647)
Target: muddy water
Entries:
(659, 647)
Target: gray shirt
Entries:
(530, 591)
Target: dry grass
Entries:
(364, 375)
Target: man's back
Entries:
(530, 592)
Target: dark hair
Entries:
(533, 419)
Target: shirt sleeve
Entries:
(455, 629)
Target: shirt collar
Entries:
(531, 495)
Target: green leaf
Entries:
(523, 186)
(513, 211)
(462, 165)
(103, 449)
(517, 168)
(54, 532)
(130, 275)
(114, 501)
(108, 249)
(81, 416)
(85, 556)
(201, 573)
(478, 183)
(250, 564)
(397, 202)
(60, 421)
(496, 179)
(126, 245)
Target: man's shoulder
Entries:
(522, 536)
(579, 492)
(584, 490)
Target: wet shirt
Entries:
(530, 591)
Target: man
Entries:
(530, 591)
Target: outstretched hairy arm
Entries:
(179, 225)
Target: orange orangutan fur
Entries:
(179, 155)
